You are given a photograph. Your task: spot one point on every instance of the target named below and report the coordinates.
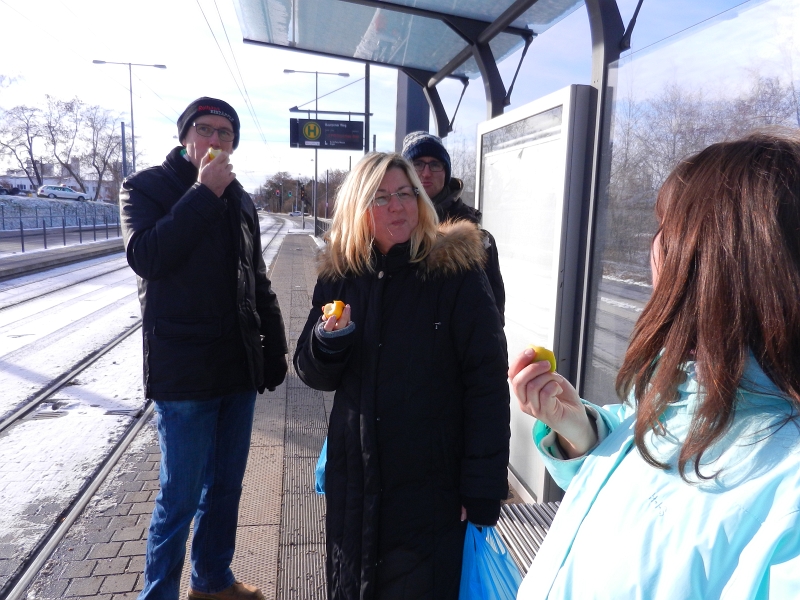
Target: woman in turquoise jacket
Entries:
(690, 489)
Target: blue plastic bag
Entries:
(319, 470)
(488, 572)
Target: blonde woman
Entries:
(419, 431)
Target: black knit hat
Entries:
(422, 143)
(208, 106)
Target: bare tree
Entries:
(463, 163)
(283, 182)
(62, 125)
(20, 128)
(103, 143)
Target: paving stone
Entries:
(109, 550)
(111, 566)
(55, 590)
(134, 497)
(128, 534)
(133, 548)
(85, 586)
(77, 551)
(119, 583)
(136, 564)
(126, 521)
(78, 568)
(141, 508)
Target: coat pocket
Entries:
(187, 327)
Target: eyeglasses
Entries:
(225, 135)
(435, 166)
(404, 195)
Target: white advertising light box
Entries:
(531, 190)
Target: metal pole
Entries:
(133, 135)
(22, 235)
(105, 218)
(366, 108)
(44, 232)
(124, 153)
(80, 231)
(64, 229)
(3, 213)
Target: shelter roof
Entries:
(430, 36)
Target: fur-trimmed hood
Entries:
(459, 247)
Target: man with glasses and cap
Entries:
(432, 163)
(212, 336)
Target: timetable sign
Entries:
(326, 134)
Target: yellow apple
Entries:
(333, 309)
(543, 353)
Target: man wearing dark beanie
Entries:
(432, 163)
(213, 335)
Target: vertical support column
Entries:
(413, 111)
(492, 82)
(366, 108)
(607, 30)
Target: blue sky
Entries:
(49, 45)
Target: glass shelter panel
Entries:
(715, 81)
(386, 36)
(531, 193)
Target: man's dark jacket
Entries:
(420, 418)
(450, 207)
(203, 288)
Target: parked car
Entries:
(295, 213)
(61, 191)
(4, 192)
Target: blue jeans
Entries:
(204, 447)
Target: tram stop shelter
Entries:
(566, 183)
(560, 138)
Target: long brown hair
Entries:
(728, 284)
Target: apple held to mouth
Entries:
(542, 353)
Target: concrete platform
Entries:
(281, 534)
(280, 539)
(15, 265)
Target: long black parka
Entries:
(209, 315)
(420, 418)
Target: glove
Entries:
(275, 368)
(482, 511)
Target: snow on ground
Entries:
(45, 460)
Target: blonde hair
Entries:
(350, 237)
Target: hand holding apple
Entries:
(548, 397)
(336, 315)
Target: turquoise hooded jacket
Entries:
(627, 530)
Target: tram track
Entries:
(15, 586)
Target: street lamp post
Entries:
(316, 116)
(130, 89)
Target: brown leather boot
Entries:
(238, 591)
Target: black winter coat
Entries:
(203, 288)
(450, 207)
(420, 418)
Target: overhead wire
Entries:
(238, 70)
(227, 65)
(331, 92)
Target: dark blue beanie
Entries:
(208, 106)
(422, 143)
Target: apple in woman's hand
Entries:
(542, 353)
(333, 309)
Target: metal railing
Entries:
(94, 221)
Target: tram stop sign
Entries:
(326, 134)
